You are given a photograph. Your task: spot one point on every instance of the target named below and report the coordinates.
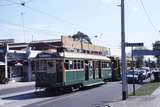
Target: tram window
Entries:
(79, 64)
(91, 64)
(96, 64)
(102, 64)
(82, 64)
(75, 64)
(50, 67)
(70, 64)
(50, 64)
(105, 64)
(59, 65)
(42, 65)
(66, 64)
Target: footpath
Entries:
(12, 85)
(139, 101)
(15, 87)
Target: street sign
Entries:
(134, 44)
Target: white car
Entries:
(148, 71)
(144, 73)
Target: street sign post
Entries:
(133, 45)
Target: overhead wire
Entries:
(55, 17)
(52, 16)
(45, 13)
(29, 28)
(15, 3)
(148, 16)
(9, 4)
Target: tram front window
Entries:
(51, 67)
(42, 65)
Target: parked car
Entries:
(130, 77)
(148, 71)
(155, 70)
(144, 73)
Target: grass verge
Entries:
(147, 89)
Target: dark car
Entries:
(138, 76)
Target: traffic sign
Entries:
(134, 44)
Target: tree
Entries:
(139, 59)
(79, 36)
(156, 47)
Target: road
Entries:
(92, 97)
(17, 89)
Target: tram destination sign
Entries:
(134, 44)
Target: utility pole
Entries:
(22, 17)
(132, 66)
(6, 61)
(123, 54)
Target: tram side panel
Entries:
(74, 72)
(106, 70)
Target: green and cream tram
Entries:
(70, 69)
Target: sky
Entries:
(49, 19)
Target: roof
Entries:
(84, 56)
(46, 41)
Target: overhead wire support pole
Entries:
(132, 66)
(123, 54)
(22, 17)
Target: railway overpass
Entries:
(145, 52)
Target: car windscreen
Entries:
(131, 73)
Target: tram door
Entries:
(99, 69)
(59, 69)
(55, 67)
(86, 70)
